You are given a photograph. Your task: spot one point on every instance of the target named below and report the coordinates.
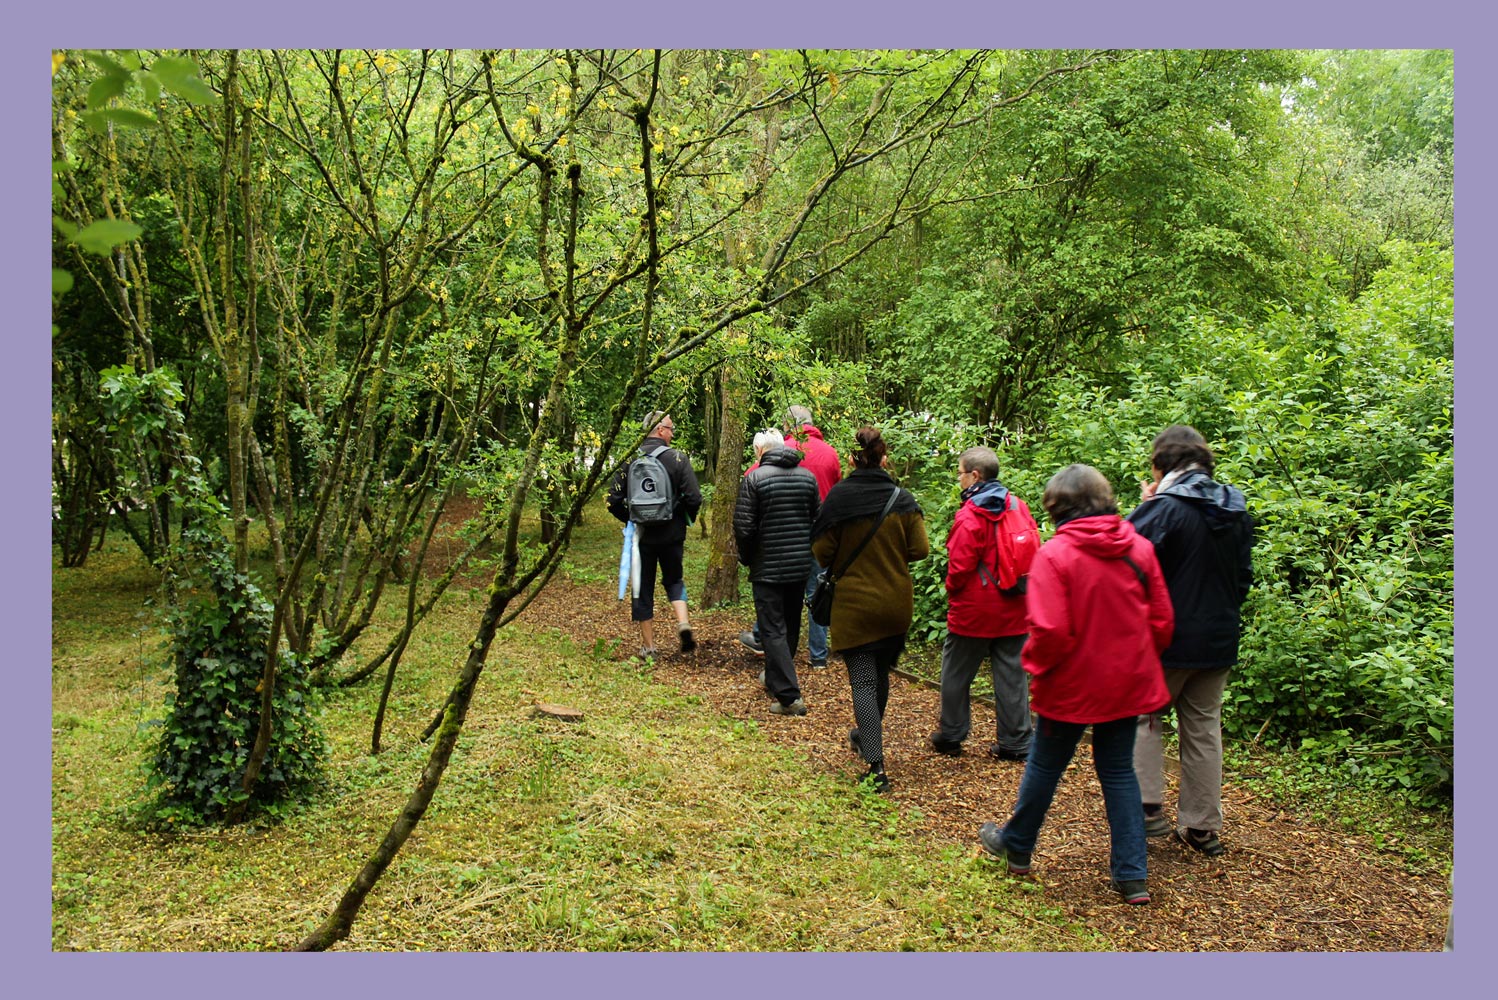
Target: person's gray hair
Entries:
(653, 418)
(798, 415)
(980, 460)
(1078, 491)
(767, 439)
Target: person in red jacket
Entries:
(985, 610)
(1099, 615)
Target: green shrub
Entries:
(220, 628)
(1336, 421)
(218, 648)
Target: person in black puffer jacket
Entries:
(772, 527)
(1203, 535)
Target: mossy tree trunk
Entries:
(722, 583)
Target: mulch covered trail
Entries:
(1284, 884)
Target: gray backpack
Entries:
(648, 494)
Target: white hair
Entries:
(767, 439)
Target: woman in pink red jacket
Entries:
(1099, 615)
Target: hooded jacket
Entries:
(821, 458)
(974, 605)
(1096, 630)
(777, 502)
(1203, 537)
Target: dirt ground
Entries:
(1284, 884)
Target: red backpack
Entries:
(1016, 539)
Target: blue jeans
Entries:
(816, 635)
(1113, 757)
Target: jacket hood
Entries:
(1106, 536)
(783, 456)
(809, 430)
(990, 498)
(1223, 506)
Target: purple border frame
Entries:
(25, 906)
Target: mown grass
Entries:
(653, 824)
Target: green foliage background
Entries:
(1337, 424)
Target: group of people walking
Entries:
(1107, 625)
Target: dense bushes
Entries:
(1337, 422)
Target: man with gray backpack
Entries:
(657, 493)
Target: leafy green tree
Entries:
(1368, 159)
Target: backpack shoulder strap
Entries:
(984, 576)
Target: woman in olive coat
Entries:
(874, 602)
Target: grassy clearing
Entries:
(654, 824)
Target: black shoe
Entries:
(1155, 823)
(877, 778)
(688, 640)
(997, 752)
(854, 743)
(1133, 891)
(1202, 840)
(748, 639)
(819, 664)
(947, 748)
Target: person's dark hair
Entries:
(871, 448)
(1077, 491)
(980, 460)
(1178, 446)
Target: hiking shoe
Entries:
(991, 836)
(747, 638)
(947, 748)
(688, 640)
(997, 752)
(1155, 824)
(878, 779)
(819, 664)
(854, 742)
(1202, 840)
(797, 707)
(1133, 891)
(647, 652)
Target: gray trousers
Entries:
(1197, 698)
(961, 655)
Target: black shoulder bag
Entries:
(819, 604)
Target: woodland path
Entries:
(1285, 884)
